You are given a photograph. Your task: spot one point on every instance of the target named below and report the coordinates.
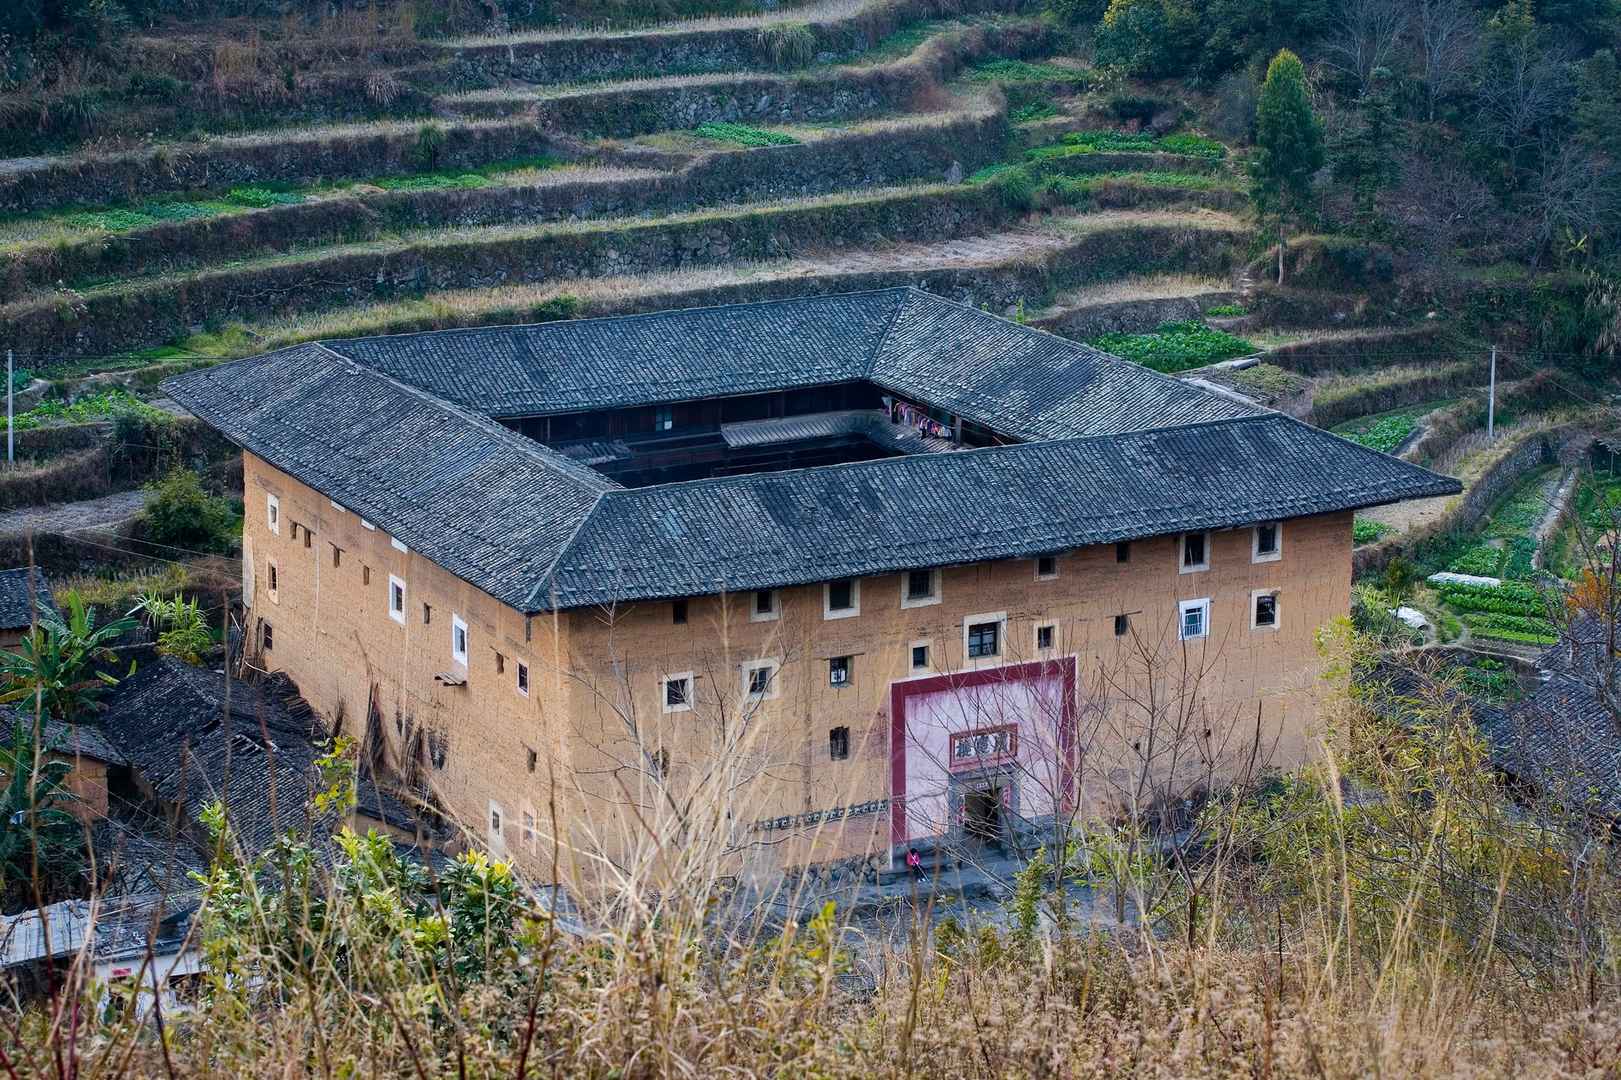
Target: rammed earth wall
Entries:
(925, 152)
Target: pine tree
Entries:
(1289, 141)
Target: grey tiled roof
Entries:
(1128, 452)
(483, 502)
(15, 601)
(772, 529)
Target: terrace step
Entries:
(1319, 351)
(924, 147)
(994, 270)
(145, 311)
(1133, 306)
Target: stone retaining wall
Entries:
(895, 155)
(1128, 316)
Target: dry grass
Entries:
(819, 12)
(1159, 287)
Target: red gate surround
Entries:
(900, 692)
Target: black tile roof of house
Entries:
(401, 431)
(18, 601)
(170, 724)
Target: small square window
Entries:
(273, 513)
(764, 608)
(678, 693)
(365, 574)
(678, 612)
(841, 599)
(531, 759)
(396, 599)
(1044, 637)
(920, 657)
(1195, 552)
(272, 580)
(1122, 551)
(308, 536)
(496, 816)
(838, 671)
(1268, 542)
(838, 743)
(664, 418)
(757, 680)
(523, 678)
(427, 614)
(1194, 619)
(266, 637)
(1122, 624)
(984, 639)
(531, 836)
(1265, 612)
(458, 640)
(1047, 567)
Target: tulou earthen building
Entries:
(824, 577)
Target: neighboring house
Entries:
(901, 542)
(24, 596)
(128, 943)
(86, 751)
(183, 748)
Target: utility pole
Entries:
(1491, 398)
(11, 455)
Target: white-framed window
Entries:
(676, 692)
(458, 639)
(397, 545)
(497, 823)
(920, 656)
(760, 681)
(984, 636)
(273, 514)
(664, 418)
(764, 605)
(1264, 613)
(272, 582)
(840, 670)
(1266, 542)
(396, 599)
(1046, 637)
(920, 588)
(841, 599)
(523, 679)
(529, 836)
(1193, 553)
(1046, 567)
(1193, 619)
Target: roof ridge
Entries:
(894, 321)
(1029, 445)
(625, 317)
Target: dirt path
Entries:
(68, 517)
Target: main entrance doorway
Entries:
(982, 814)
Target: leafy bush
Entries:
(1175, 346)
(1190, 144)
(181, 514)
(181, 626)
(1479, 561)
(1384, 434)
(1110, 142)
(1147, 38)
(1040, 109)
(259, 198)
(1364, 531)
(106, 405)
(1227, 311)
(743, 134)
(1022, 71)
(787, 44)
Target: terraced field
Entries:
(839, 145)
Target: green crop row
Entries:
(1364, 531)
(1096, 142)
(743, 134)
(1022, 71)
(1175, 346)
(1384, 434)
(1480, 561)
(1511, 627)
(1507, 599)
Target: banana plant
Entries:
(61, 661)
